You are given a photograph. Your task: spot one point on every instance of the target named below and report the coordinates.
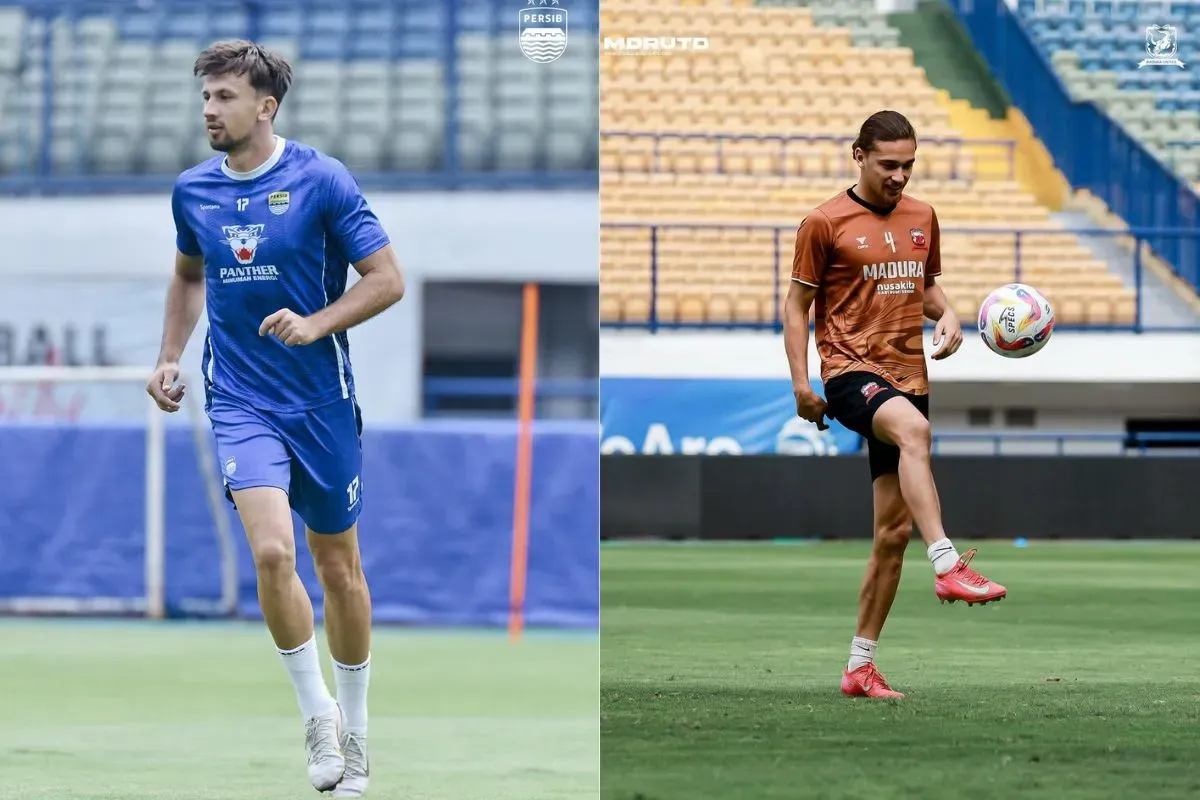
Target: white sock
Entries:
(943, 556)
(352, 682)
(304, 666)
(862, 651)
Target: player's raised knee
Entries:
(900, 423)
(916, 433)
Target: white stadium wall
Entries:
(87, 277)
(1069, 357)
(1079, 382)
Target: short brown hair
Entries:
(883, 126)
(268, 73)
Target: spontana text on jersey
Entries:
(893, 269)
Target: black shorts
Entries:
(853, 399)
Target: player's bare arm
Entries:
(947, 334)
(809, 405)
(185, 301)
(381, 286)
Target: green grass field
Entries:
(204, 711)
(720, 668)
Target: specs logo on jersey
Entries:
(243, 240)
(279, 202)
(918, 237)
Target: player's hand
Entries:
(162, 387)
(811, 406)
(290, 328)
(947, 334)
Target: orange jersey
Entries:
(870, 268)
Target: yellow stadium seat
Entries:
(771, 71)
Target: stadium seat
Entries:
(688, 142)
(1098, 60)
(369, 85)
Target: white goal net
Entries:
(109, 505)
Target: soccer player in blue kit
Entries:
(265, 236)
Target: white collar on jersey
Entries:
(261, 169)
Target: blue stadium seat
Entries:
(283, 23)
(375, 46)
(419, 46)
(478, 17)
(186, 25)
(1056, 41)
(375, 21)
(228, 24)
(1109, 37)
(335, 22)
(425, 19)
(392, 108)
(139, 25)
(322, 47)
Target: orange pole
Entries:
(524, 477)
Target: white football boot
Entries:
(358, 766)
(326, 764)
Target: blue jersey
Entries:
(281, 236)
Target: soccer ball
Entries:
(1016, 321)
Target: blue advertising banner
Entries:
(706, 416)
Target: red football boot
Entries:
(964, 583)
(866, 682)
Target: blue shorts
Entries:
(315, 456)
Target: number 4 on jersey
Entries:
(889, 241)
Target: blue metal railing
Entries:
(1093, 151)
(424, 33)
(781, 246)
(842, 167)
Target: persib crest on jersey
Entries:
(243, 240)
(279, 202)
(918, 237)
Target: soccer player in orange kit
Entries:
(867, 262)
